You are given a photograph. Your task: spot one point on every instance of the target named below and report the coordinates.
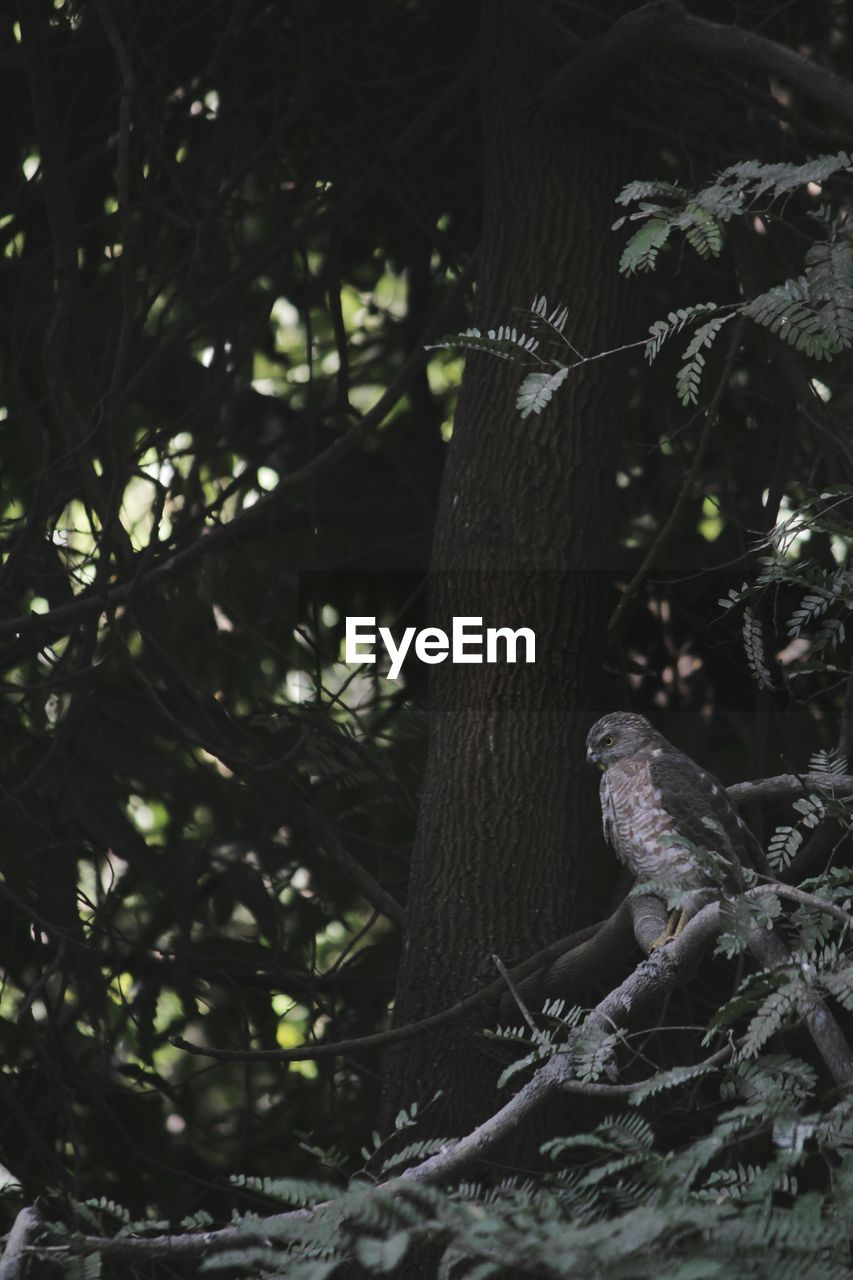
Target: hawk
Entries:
(666, 817)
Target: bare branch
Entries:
(340, 857)
(666, 24)
(380, 1039)
(522, 1007)
(788, 786)
(256, 519)
(127, 267)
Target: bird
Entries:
(667, 818)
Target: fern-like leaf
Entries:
(784, 846)
(770, 1016)
(642, 190)
(788, 311)
(702, 231)
(753, 643)
(690, 373)
(537, 389)
(831, 762)
(555, 319)
(669, 1080)
(641, 251)
(829, 273)
(675, 321)
(505, 342)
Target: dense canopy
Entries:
(242, 245)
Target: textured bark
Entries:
(522, 537)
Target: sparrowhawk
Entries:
(667, 818)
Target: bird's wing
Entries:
(700, 808)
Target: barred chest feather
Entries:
(639, 827)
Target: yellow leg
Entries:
(674, 926)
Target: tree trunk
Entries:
(524, 533)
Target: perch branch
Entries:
(655, 976)
(568, 961)
(652, 979)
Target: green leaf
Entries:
(383, 1256)
(641, 251)
(537, 389)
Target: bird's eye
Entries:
(609, 740)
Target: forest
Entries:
(405, 317)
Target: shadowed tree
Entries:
(524, 537)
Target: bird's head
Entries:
(618, 735)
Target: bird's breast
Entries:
(641, 829)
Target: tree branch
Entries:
(60, 620)
(565, 964)
(26, 1226)
(594, 1089)
(381, 1039)
(339, 856)
(653, 978)
(769, 949)
(788, 786)
(811, 900)
(666, 24)
(651, 981)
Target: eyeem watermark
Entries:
(466, 643)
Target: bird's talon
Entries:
(674, 926)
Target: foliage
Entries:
(186, 760)
(212, 276)
(814, 602)
(814, 312)
(761, 1187)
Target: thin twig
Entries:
(522, 1007)
(595, 1089)
(126, 266)
(258, 517)
(846, 716)
(381, 1039)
